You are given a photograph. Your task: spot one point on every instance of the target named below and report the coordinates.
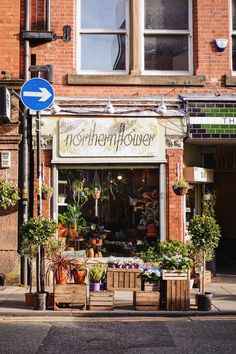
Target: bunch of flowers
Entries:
(9, 194)
(150, 273)
(177, 262)
(124, 262)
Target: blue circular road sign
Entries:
(37, 94)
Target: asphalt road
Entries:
(167, 336)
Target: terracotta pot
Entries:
(50, 299)
(90, 252)
(29, 299)
(93, 241)
(62, 230)
(99, 241)
(70, 248)
(73, 234)
(79, 276)
(61, 277)
(151, 230)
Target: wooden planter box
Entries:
(176, 295)
(70, 295)
(101, 300)
(123, 279)
(175, 275)
(152, 285)
(147, 300)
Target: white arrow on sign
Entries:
(44, 94)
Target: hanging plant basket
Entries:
(9, 194)
(180, 191)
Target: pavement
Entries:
(223, 288)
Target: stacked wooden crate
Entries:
(101, 300)
(175, 290)
(70, 295)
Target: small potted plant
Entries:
(96, 273)
(61, 265)
(151, 277)
(205, 236)
(46, 191)
(79, 270)
(9, 194)
(181, 187)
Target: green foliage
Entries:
(9, 194)
(208, 204)
(149, 253)
(96, 273)
(28, 249)
(54, 245)
(177, 262)
(37, 230)
(174, 248)
(73, 216)
(204, 232)
(45, 188)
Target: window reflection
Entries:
(166, 52)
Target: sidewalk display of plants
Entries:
(9, 194)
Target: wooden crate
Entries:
(101, 300)
(147, 300)
(152, 285)
(70, 295)
(123, 279)
(174, 274)
(176, 295)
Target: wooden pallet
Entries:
(101, 300)
(147, 300)
(70, 295)
(176, 295)
(123, 279)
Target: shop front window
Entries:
(122, 202)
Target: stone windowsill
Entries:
(230, 80)
(140, 80)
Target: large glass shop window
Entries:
(122, 202)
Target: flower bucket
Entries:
(95, 286)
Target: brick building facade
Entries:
(157, 49)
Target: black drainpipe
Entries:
(48, 15)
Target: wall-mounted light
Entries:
(221, 44)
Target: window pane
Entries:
(166, 14)
(166, 52)
(234, 13)
(103, 14)
(102, 52)
(234, 53)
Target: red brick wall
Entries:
(175, 230)
(10, 45)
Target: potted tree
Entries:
(181, 187)
(96, 272)
(36, 231)
(29, 250)
(205, 236)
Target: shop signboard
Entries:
(198, 174)
(111, 137)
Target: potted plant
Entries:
(181, 187)
(29, 250)
(46, 191)
(9, 194)
(96, 272)
(36, 231)
(79, 270)
(205, 236)
(61, 265)
(151, 277)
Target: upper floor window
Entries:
(167, 37)
(103, 36)
(234, 35)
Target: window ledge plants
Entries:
(181, 187)
(9, 194)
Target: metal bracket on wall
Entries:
(66, 37)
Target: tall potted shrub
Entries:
(205, 236)
(36, 231)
